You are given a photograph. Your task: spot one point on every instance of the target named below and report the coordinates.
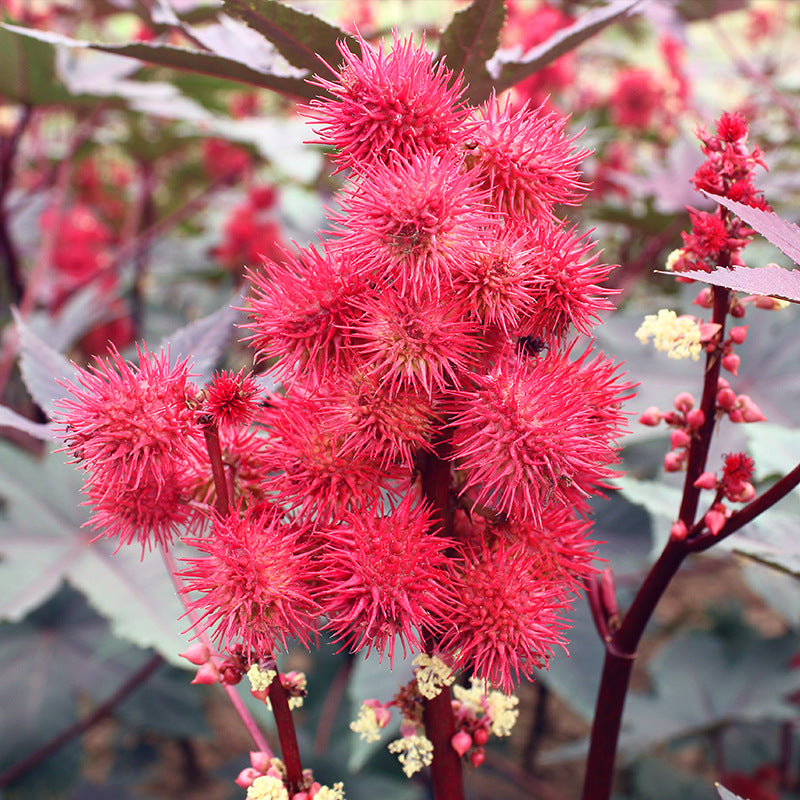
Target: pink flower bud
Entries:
(301, 796)
(608, 593)
(705, 298)
(738, 334)
(695, 418)
(708, 480)
(726, 399)
(246, 777)
(743, 493)
(684, 402)
(461, 742)
(208, 673)
(750, 411)
(651, 416)
(679, 438)
(708, 330)
(260, 760)
(767, 303)
(197, 654)
(737, 311)
(679, 531)
(673, 462)
(714, 520)
(480, 737)
(477, 757)
(731, 362)
(736, 415)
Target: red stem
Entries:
(286, 734)
(621, 647)
(211, 433)
(446, 770)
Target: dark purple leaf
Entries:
(771, 280)
(42, 368)
(783, 234)
(301, 38)
(10, 419)
(507, 71)
(206, 63)
(469, 41)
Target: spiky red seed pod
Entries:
(301, 312)
(130, 420)
(384, 105)
(385, 578)
(525, 159)
(412, 223)
(534, 432)
(509, 617)
(413, 346)
(251, 587)
(231, 399)
(565, 277)
(312, 471)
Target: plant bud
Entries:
(651, 416)
(246, 777)
(731, 363)
(695, 418)
(684, 402)
(197, 654)
(461, 742)
(726, 399)
(708, 480)
(738, 334)
(679, 531)
(208, 674)
(673, 462)
(679, 438)
(750, 411)
(477, 757)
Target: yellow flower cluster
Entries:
(260, 679)
(678, 336)
(267, 787)
(414, 753)
(335, 792)
(432, 675)
(366, 725)
(501, 708)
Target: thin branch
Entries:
(81, 726)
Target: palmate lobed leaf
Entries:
(469, 41)
(43, 544)
(301, 38)
(772, 280)
(507, 70)
(783, 234)
(164, 55)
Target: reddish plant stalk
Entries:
(622, 645)
(446, 770)
(286, 734)
(211, 433)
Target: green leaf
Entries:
(469, 41)
(28, 71)
(507, 72)
(301, 38)
(164, 55)
(42, 543)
